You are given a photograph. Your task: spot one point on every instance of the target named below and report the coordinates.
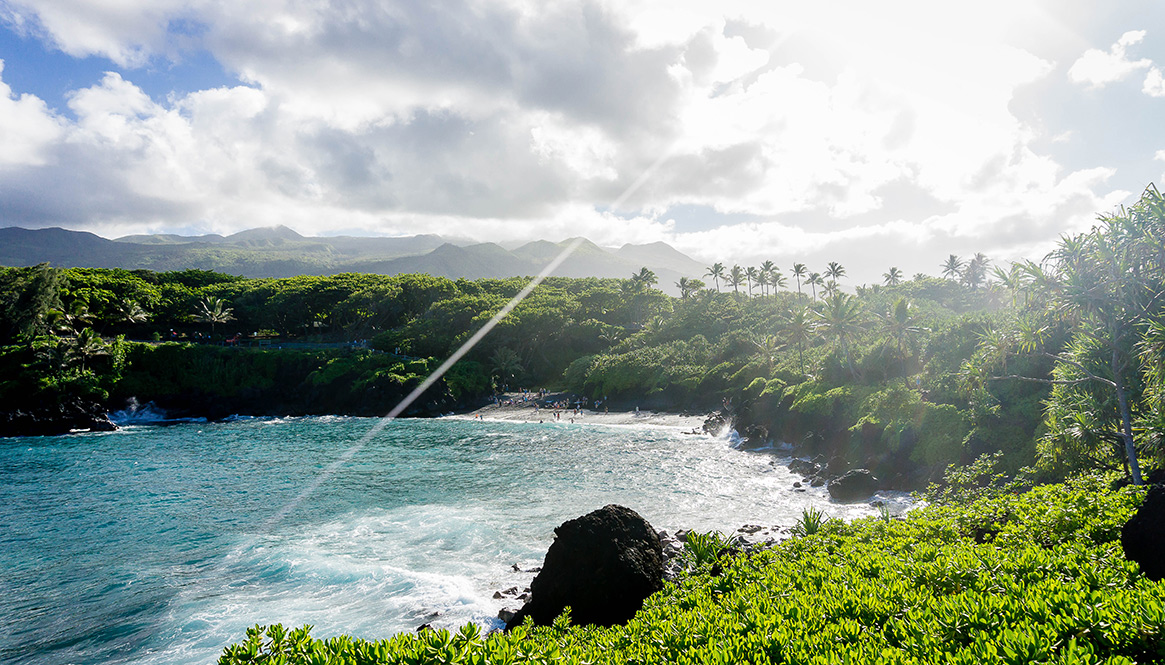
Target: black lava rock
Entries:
(51, 419)
(1143, 536)
(857, 485)
(602, 565)
(804, 467)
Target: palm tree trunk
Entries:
(1122, 399)
(905, 383)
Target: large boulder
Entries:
(602, 565)
(1143, 536)
(857, 485)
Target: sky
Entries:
(872, 134)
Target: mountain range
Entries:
(281, 252)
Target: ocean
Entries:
(163, 544)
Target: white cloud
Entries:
(27, 128)
(126, 32)
(1097, 68)
(1154, 85)
(499, 119)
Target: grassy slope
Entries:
(1037, 577)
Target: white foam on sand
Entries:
(526, 412)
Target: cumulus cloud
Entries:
(128, 33)
(27, 128)
(1154, 85)
(1097, 68)
(843, 130)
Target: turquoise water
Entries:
(157, 544)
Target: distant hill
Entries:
(281, 252)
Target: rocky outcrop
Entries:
(602, 565)
(856, 485)
(806, 468)
(53, 419)
(1143, 536)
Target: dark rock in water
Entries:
(755, 437)
(837, 466)
(506, 614)
(856, 485)
(716, 423)
(796, 484)
(1143, 536)
(816, 481)
(54, 419)
(602, 565)
(804, 467)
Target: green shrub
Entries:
(941, 431)
(703, 549)
(812, 519)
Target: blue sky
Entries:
(867, 133)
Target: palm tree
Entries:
(768, 268)
(688, 286)
(750, 275)
(902, 326)
(762, 280)
(976, 270)
(813, 280)
(767, 347)
(213, 310)
(73, 320)
(1015, 279)
(716, 272)
(893, 277)
(131, 312)
(834, 271)
(643, 280)
(952, 267)
(87, 344)
(841, 320)
(776, 279)
(506, 363)
(736, 277)
(799, 271)
(831, 289)
(796, 328)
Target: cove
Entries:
(154, 544)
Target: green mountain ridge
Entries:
(282, 252)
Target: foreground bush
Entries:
(1031, 578)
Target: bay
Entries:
(163, 544)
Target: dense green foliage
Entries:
(1057, 364)
(217, 381)
(1035, 577)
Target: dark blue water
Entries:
(156, 544)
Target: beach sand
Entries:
(527, 413)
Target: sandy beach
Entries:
(525, 412)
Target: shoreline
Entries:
(586, 416)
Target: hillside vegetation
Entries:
(1054, 364)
